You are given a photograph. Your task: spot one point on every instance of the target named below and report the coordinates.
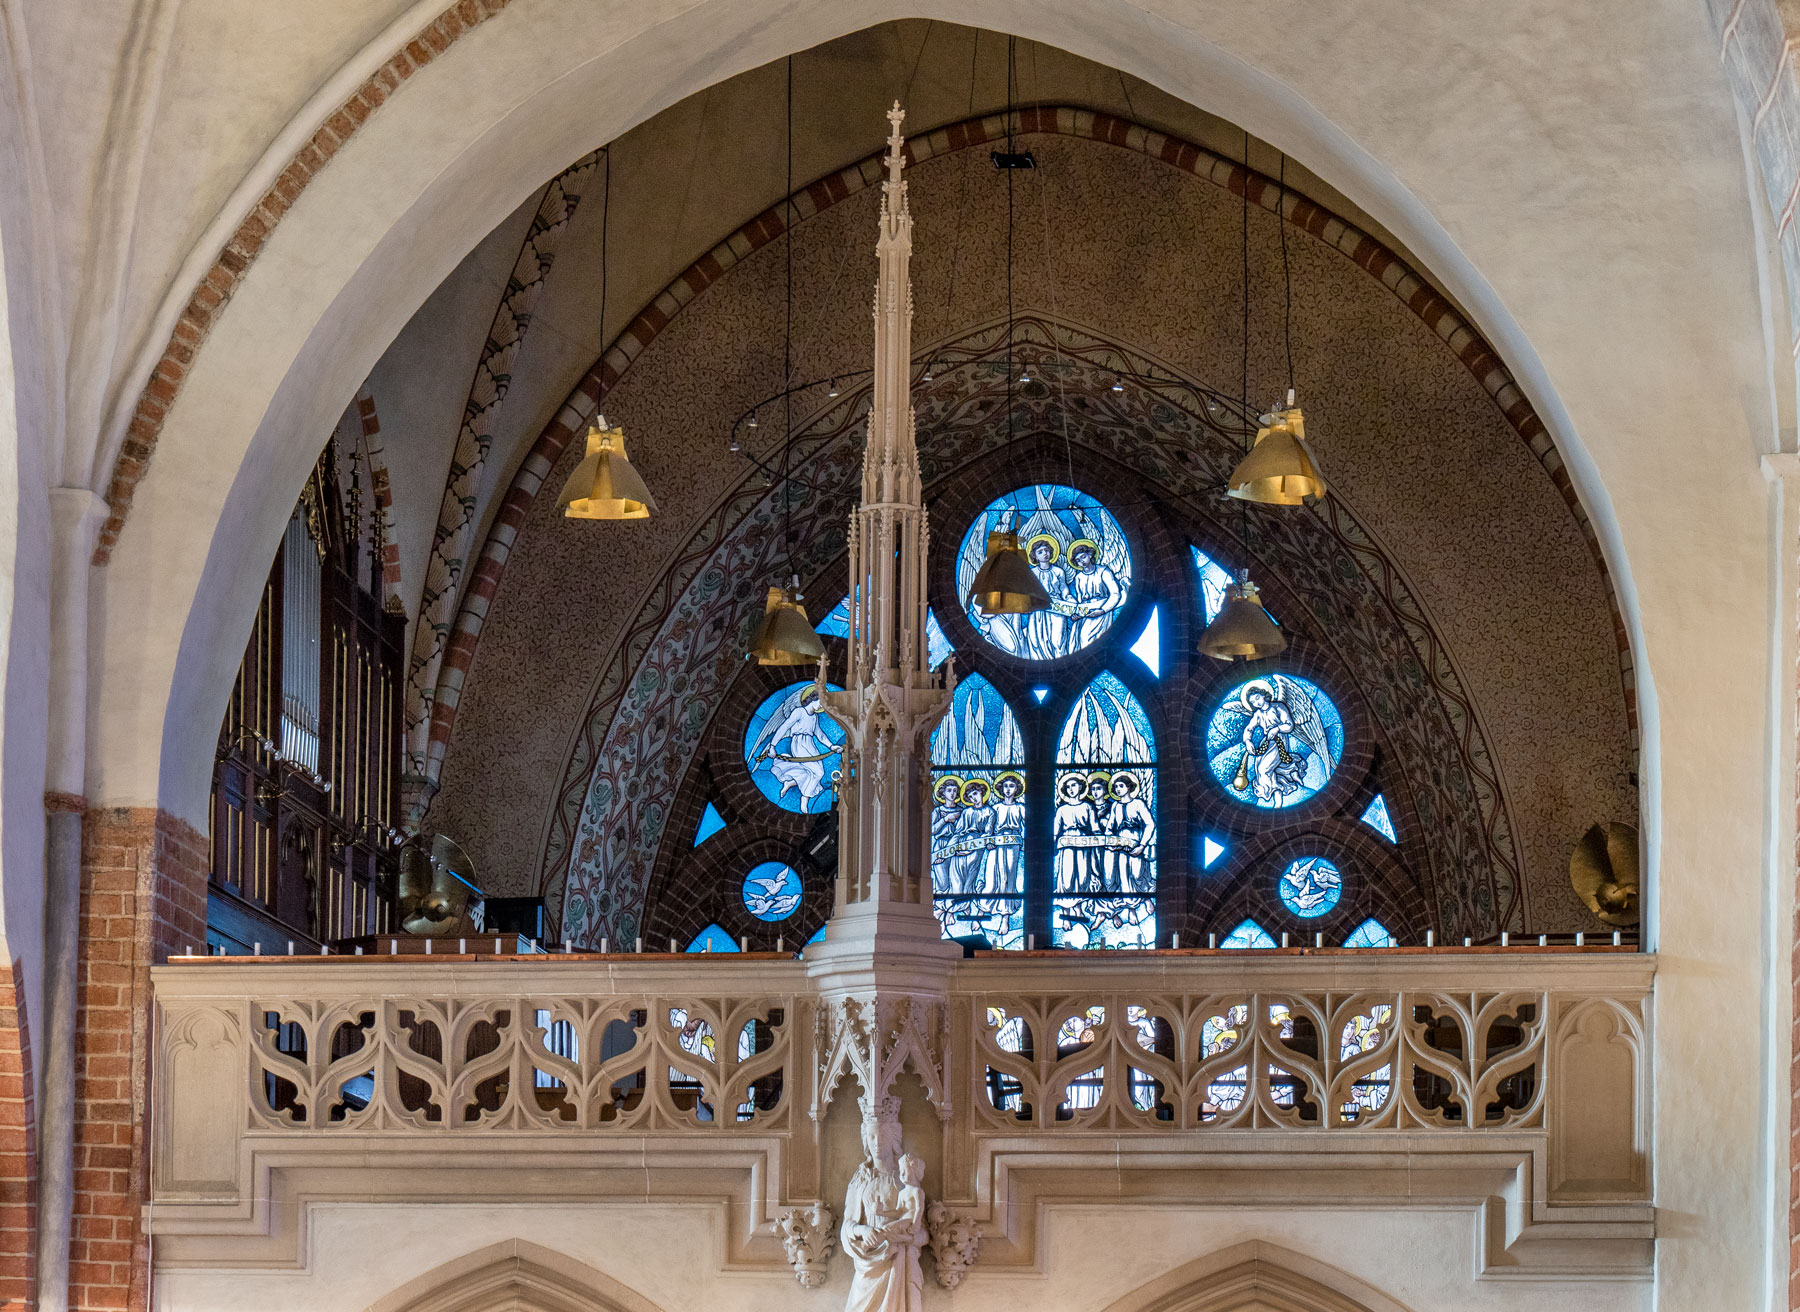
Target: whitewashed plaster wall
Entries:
(670, 1257)
(1569, 171)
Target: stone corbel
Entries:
(955, 1242)
(875, 1040)
(808, 1237)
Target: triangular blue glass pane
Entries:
(1148, 647)
(1377, 818)
(1211, 849)
(711, 822)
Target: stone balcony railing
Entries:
(1513, 1082)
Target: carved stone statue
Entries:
(807, 1237)
(884, 1220)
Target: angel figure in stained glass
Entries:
(1094, 590)
(794, 744)
(1286, 750)
(974, 837)
(1047, 630)
(1095, 852)
(1132, 856)
(1073, 819)
(944, 815)
(1000, 871)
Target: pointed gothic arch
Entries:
(1260, 1276)
(514, 1275)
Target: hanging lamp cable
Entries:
(1287, 280)
(787, 337)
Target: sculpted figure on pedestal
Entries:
(884, 1219)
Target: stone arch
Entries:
(583, 402)
(1260, 1276)
(514, 1275)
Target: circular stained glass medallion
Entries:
(772, 891)
(1078, 552)
(1274, 741)
(1310, 886)
(794, 751)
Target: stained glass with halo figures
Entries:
(1078, 552)
(1104, 895)
(978, 817)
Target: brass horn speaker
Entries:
(1279, 471)
(604, 485)
(785, 636)
(1005, 585)
(1603, 871)
(436, 889)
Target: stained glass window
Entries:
(793, 750)
(712, 939)
(1274, 741)
(1078, 552)
(1214, 579)
(772, 891)
(711, 822)
(1377, 818)
(1248, 934)
(1211, 849)
(1105, 821)
(836, 624)
(1040, 694)
(1371, 934)
(818, 937)
(1310, 886)
(1148, 647)
(978, 817)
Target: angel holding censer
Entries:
(1286, 750)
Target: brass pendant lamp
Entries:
(604, 485)
(1279, 470)
(1005, 585)
(1242, 630)
(785, 636)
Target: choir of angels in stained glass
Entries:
(978, 816)
(1078, 552)
(1105, 821)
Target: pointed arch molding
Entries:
(606, 843)
(583, 401)
(1256, 1275)
(514, 1275)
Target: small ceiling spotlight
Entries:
(929, 366)
(752, 421)
(736, 446)
(1118, 383)
(832, 389)
(604, 485)
(1242, 630)
(1025, 374)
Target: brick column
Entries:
(18, 1151)
(143, 897)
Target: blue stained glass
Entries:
(772, 891)
(836, 624)
(1214, 579)
(978, 817)
(1105, 821)
(793, 750)
(1211, 850)
(1371, 934)
(1040, 694)
(712, 939)
(1248, 934)
(816, 938)
(1377, 818)
(1310, 887)
(711, 822)
(1148, 647)
(1274, 742)
(1079, 553)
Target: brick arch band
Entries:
(1368, 254)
